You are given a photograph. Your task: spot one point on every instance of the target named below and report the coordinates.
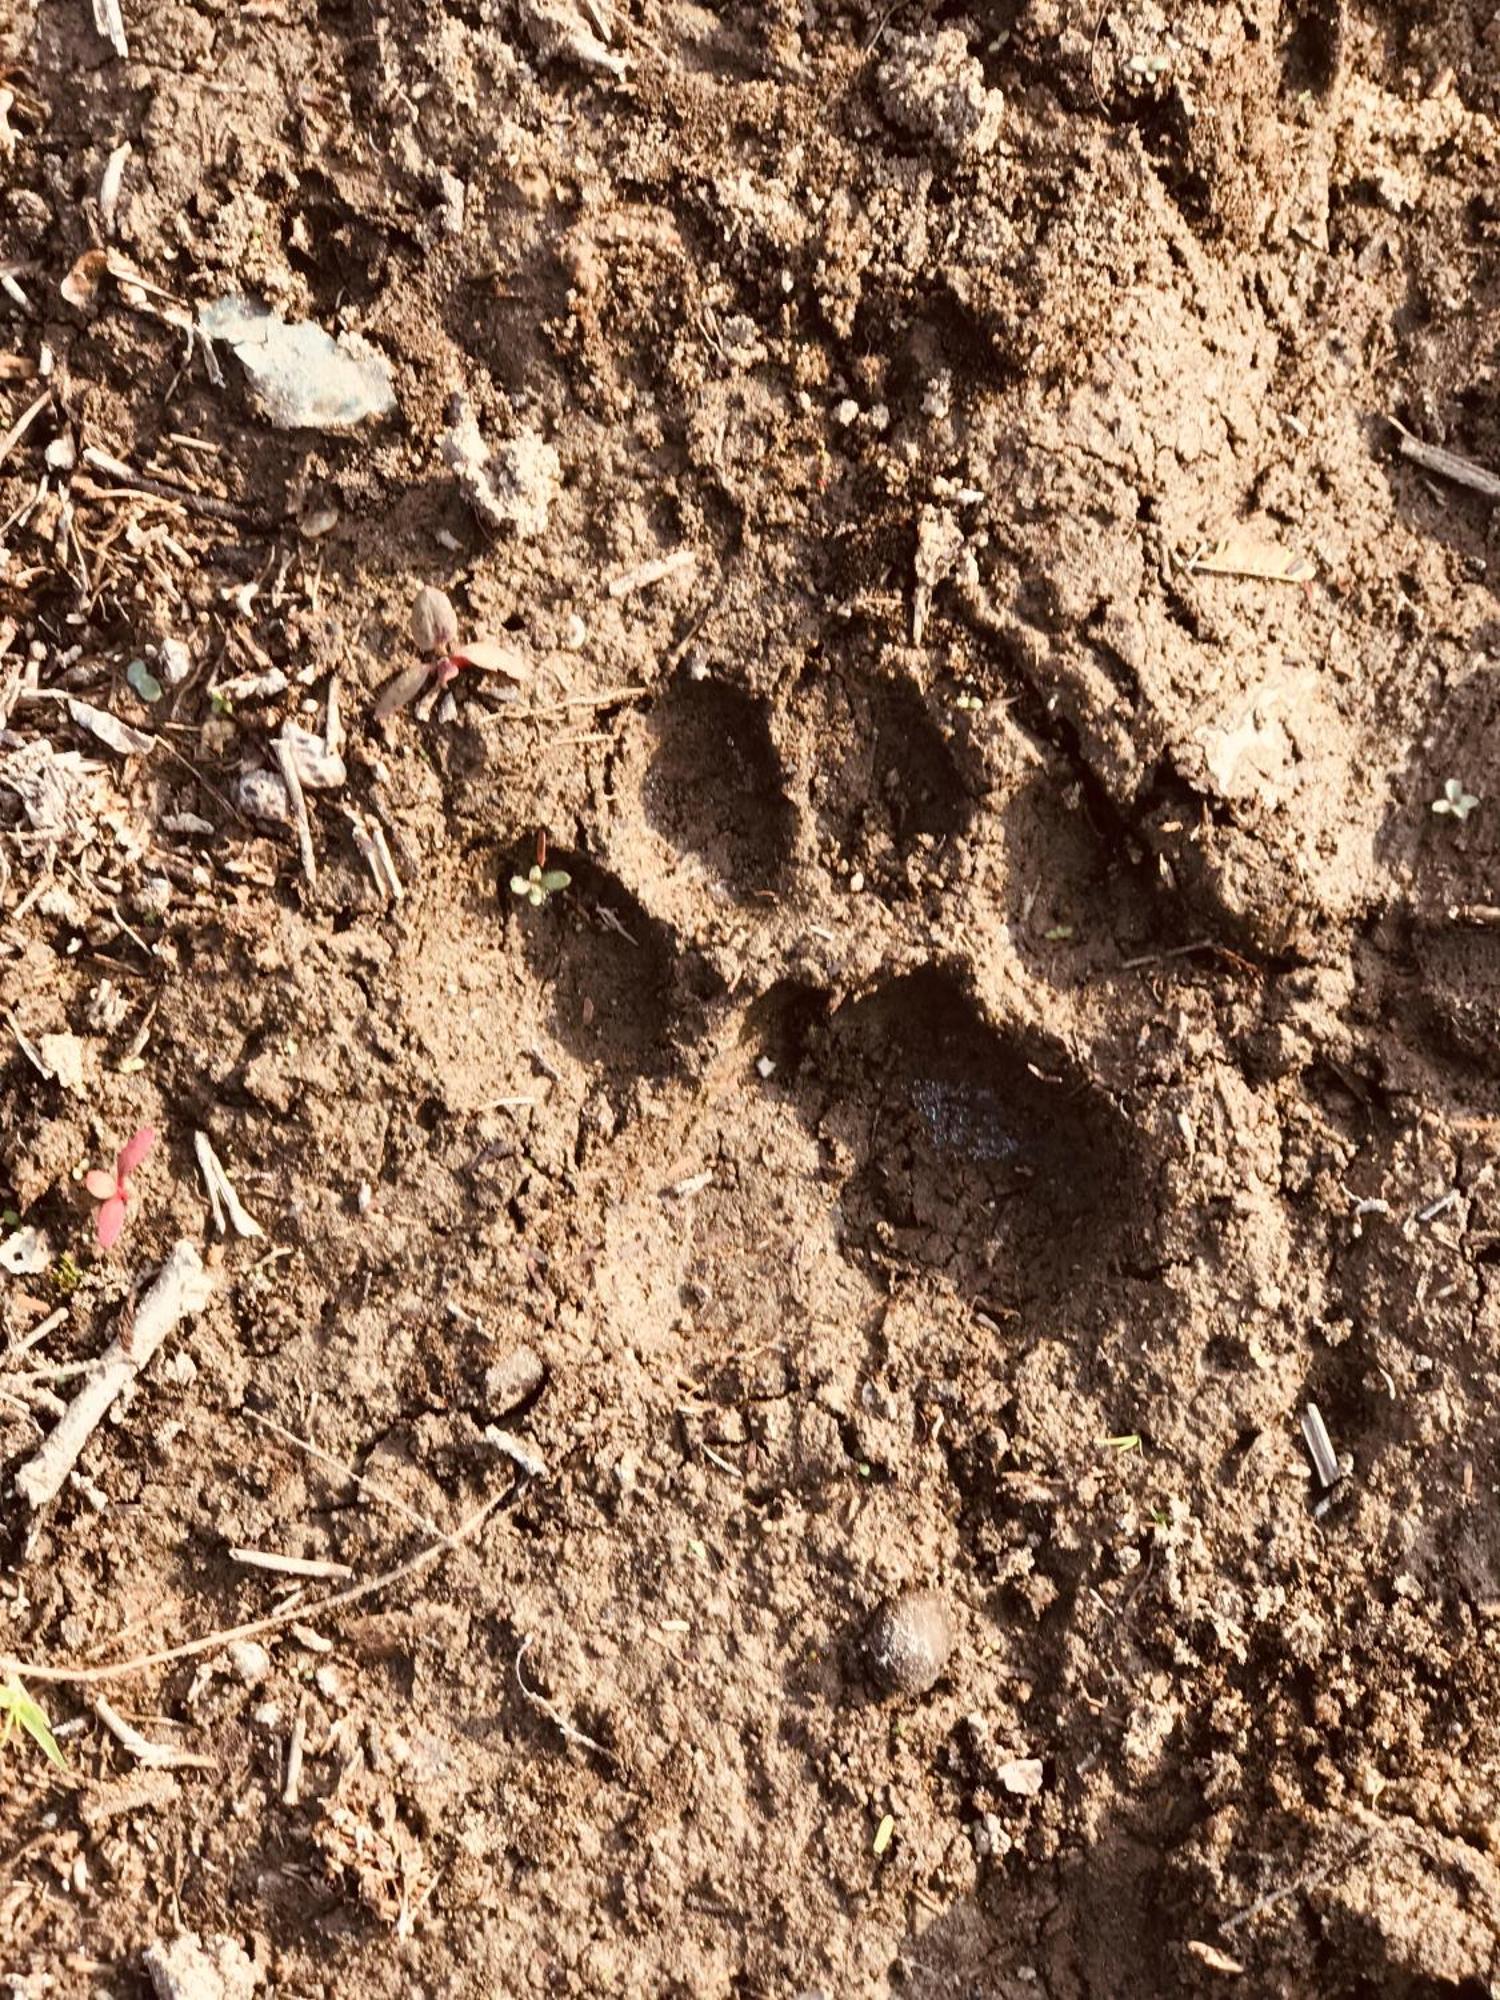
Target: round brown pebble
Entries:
(909, 1641)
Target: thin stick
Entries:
(22, 425)
(182, 1288)
(170, 489)
(301, 1614)
(155, 1756)
(279, 1565)
(629, 581)
(38, 1333)
(551, 1710)
(423, 1521)
(292, 778)
(1175, 951)
(1446, 464)
(291, 1791)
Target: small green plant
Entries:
(539, 882)
(66, 1275)
(537, 885)
(21, 1712)
(1455, 800)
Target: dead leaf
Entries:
(81, 286)
(109, 729)
(491, 657)
(404, 688)
(1243, 553)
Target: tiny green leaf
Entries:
(145, 683)
(555, 879)
(18, 1706)
(519, 886)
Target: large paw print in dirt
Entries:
(967, 1152)
(884, 783)
(619, 986)
(711, 785)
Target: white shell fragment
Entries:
(302, 378)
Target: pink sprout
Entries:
(112, 1191)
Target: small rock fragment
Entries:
(991, 1841)
(63, 1055)
(512, 1380)
(1021, 1777)
(931, 86)
(176, 662)
(194, 1968)
(250, 1661)
(909, 1642)
(513, 487)
(300, 377)
(263, 795)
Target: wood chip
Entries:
(1211, 1956)
(221, 1195)
(517, 1450)
(286, 760)
(1320, 1446)
(110, 24)
(119, 736)
(23, 424)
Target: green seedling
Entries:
(21, 1712)
(1131, 1441)
(536, 885)
(1455, 800)
(66, 1275)
(539, 882)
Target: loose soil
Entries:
(1012, 1017)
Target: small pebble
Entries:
(512, 1381)
(909, 1641)
(250, 1661)
(1021, 1776)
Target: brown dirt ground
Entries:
(1024, 950)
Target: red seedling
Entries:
(113, 1190)
(434, 629)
